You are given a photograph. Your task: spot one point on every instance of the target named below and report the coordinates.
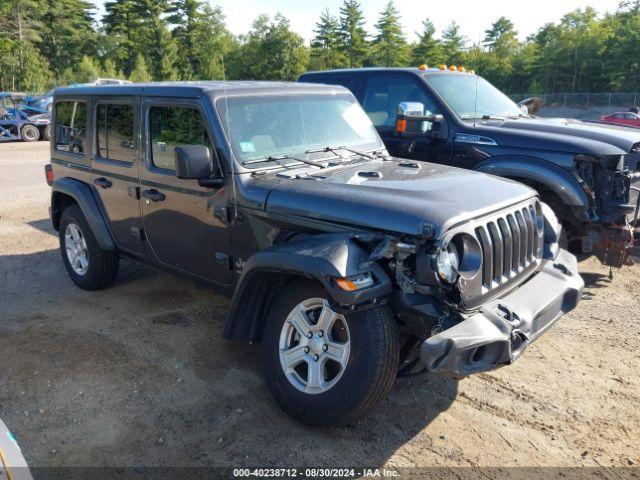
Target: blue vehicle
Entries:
(40, 103)
(19, 122)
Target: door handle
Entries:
(102, 182)
(154, 195)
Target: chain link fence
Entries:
(583, 100)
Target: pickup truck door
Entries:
(380, 96)
(186, 226)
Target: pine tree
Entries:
(353, 36)
(428, 49)
(389, 45)
(453, 44)
(66, 33)
(140, 72)
(501, 38)
(122, 22)
(186, 16)
(325, 47)
(158, 46)
(214, 43)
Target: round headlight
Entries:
(448, 263)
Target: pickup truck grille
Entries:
(511, 246)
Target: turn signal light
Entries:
(401, 125)
(356, 282)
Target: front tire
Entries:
(324, 368)
(90, 267)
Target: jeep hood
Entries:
(563, 135)
(394, 196)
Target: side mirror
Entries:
(412, 122)
(193, 162)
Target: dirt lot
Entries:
(139, 374)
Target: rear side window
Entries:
(384, 93)
(70, 126)
(115, 132)
(171, 127)
(330, 80)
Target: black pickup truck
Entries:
(349, 265)
(588, 172)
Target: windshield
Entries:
(459, 92)
(278, 125)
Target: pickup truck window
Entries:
(115, 132)
(70, 127)
(262, 127)
(472, 97)
(384, 93)
(172, 127)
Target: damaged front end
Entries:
(612, 184)
(511, 282)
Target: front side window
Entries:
(384, 93)
(472, 97)
(172, 127)
(115, 132)
(275, 125)
(70, 126)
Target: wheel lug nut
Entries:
(306, 349)
(316, 357)
(321, 333)
(324, 348)
(309, 335)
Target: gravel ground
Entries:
(139, 374)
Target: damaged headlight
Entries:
(448, 263)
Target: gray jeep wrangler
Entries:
(350, 266)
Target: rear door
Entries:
(115, 166)
(380, 97)
(186, 225)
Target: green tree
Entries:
(140, 72)
(122, 22)
(325, 47)
(453, 44)
(214, 43)
(389, 45)
(157, 44)
(186, 16)
(428, 49)
(502, 37)
(66, 33)
(353, 36)
(270, 51)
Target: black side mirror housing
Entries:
(193, 162)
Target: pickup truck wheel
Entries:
(30, 133)
(325, 368)
(46, 133)
(89, 267)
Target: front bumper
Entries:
(503, 328)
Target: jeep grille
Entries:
(511, 246)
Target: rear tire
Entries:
(46, 133)
(29, 133)
(363, 377)
(90, 267)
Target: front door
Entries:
(380, 99)
(115, 168)
(185, 225)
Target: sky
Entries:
(474, 16)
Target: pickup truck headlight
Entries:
(447, 263)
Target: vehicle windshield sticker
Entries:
(358, 120)
(247, 147)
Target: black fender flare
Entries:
(82, 194)
(540, 171)
(321, 258)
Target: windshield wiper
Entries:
(335, 151)
(273, 158)
(483, 117)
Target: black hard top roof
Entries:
(198, 88)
